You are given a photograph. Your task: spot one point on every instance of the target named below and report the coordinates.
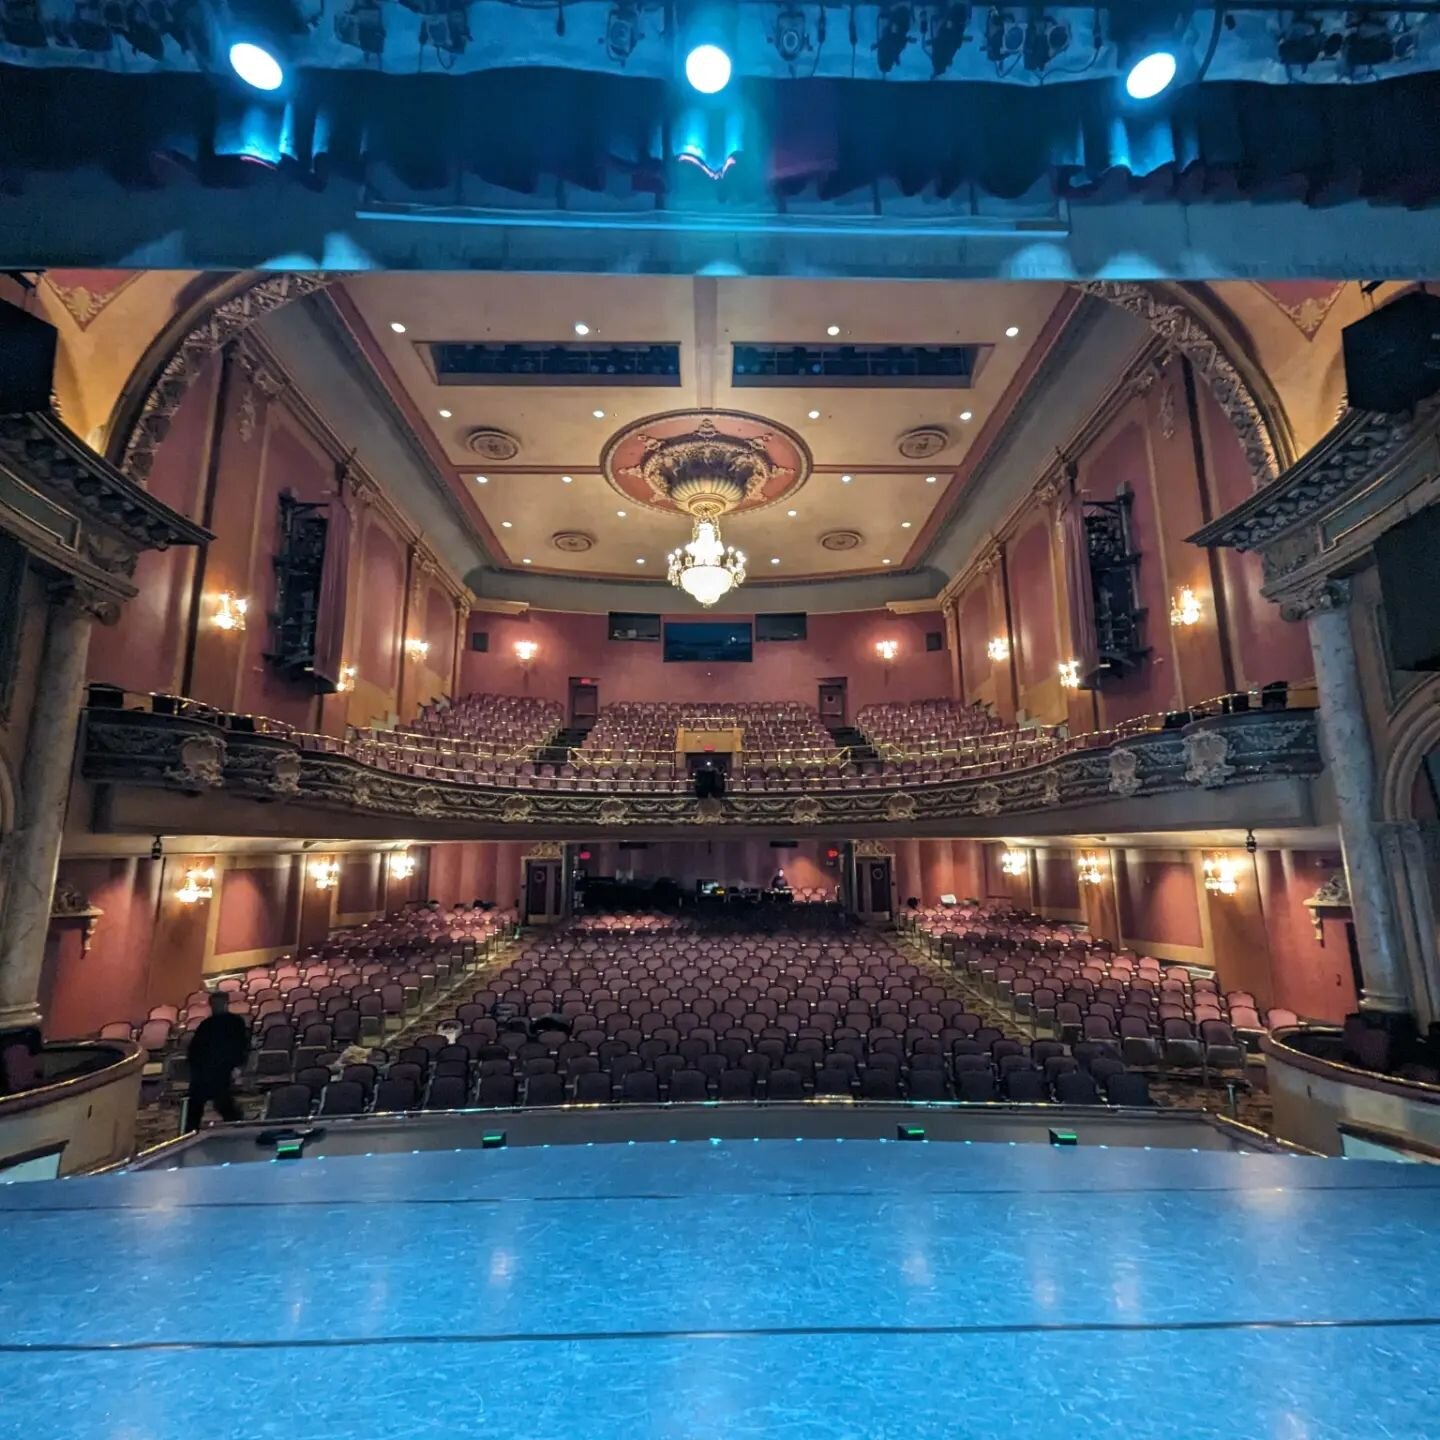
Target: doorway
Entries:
(584, 703)
(832, 702)
(873, 884)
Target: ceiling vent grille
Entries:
(881, 367)
(541, 363)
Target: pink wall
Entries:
(381, 605)
(1313, 979)
(837, 645)
(259, 906)
(1157, 898)
(975, 634)
(1033, 605)
(79, 993)
(1057, 884)
(143, 651)
(732, 862)
(360, 889)
(476, 870)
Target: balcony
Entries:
(151, 757)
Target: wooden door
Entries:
(832, 702)
(584, 703)
(873, 874)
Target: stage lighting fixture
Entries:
(1303, 41)
(1045, 39)
(893, 35)
(622, 32)
(362, 26)
(947, 35)
(1150, 75)
(22, 25)
(792, 35)
(707, 68)
(256, 66)
(1004, 35)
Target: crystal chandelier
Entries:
(707, 568)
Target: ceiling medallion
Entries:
(841, 540)
(492, 444)
(572, 542)
(704, 472)
(923, 442)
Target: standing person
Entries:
(217, 1049)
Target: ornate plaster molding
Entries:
(1182, 331)
(1318, 595)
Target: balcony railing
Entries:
(179, 745)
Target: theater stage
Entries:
(839, 1290)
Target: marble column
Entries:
(1350, 762)
(33, 850)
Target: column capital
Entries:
(1320, 595)
(79, 598)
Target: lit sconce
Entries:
(402, 865)
(1069, 674)
(230, 611)
(1013, 862)
(417, 649)
(998, 649)
(526, 651)
(325, 874)
(199, 885)
(887, 650)
(346, 682)
(1185, 607)
(1220, 875)
(1090, 871)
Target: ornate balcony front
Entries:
(1235, 769)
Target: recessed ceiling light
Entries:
(846, 479)
(967, 414)
(527, 561)
(884, 562)
(620, 513)
(482, 479)
(581, 328)
(568, 479)
(832, 329)
(904, 524)
(598, 414)
(506, 525)
(446, 414)
(792, 513)
(639, 559)
(397, 327)
(1011, 331)
(814, 414)
(774, 559)
(931, 479)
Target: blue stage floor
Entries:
(814, 1290)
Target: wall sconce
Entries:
(199, 885)
(887, 650)
(346, 682)
(526, 651)
(1069, 674)
(230, 611)
(325, 874)
(417, 649)
(998, 649)
(1220, 875)
(402, 865)
(1185, 607)
(1014, 862)
(1089, 868)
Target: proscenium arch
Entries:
(1414, 734)
(1189, 322)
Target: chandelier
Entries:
(707, 568)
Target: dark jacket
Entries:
(219, 1045)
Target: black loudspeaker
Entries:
(1405, 557)
(709, 784)
(27, 361)
(1392, 358)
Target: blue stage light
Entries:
(256, 66)
(1150, 74)
(707, 68)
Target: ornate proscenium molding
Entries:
(228, 320)
(1183, 331)
(190, 754)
